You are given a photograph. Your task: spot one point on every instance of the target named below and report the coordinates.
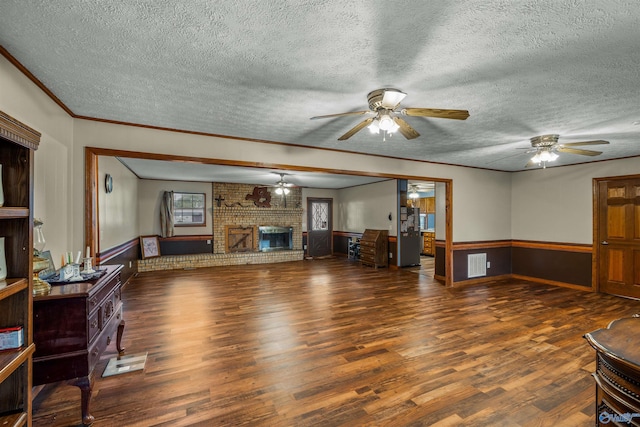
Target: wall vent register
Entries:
(477, 265)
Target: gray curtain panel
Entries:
(166, 214)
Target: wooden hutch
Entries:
(17, 145)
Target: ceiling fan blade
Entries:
(597, 142)
(356, 129)
(353, 113)
(431, 112)
(404, 128)
(530, 164)
(578, 151)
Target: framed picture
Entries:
(149, 246)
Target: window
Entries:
(188, 209)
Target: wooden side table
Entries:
(617, 372)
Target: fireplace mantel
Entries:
(254, 209)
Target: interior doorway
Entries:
(444, 267)
(422, 195)
(617, 236)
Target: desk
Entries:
(72, 326)
(617, 372)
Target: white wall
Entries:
(368, 206)
(149, 197)
(556, 204)
(53, 175)
(481, 207)
(118, 210)
(474, 190)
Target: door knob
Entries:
(604, 242)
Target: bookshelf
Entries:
(18, 143)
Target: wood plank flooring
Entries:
(331, 343)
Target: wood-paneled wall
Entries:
(126, 254)
(186, 245)
(561, 264)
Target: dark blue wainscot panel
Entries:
(186, 245)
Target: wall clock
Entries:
(108, 183)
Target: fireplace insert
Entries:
(274, 238)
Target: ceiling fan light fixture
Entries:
(536, 158)
(413, 194)
(282, 190)
(545, 156)
(386, 123)
(373, 127)
(279, 190)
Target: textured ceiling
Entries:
(261, 69)
(194, 172)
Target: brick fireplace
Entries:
(238, 213)
(236, 230)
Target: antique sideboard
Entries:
(617, 374)
(73, 325)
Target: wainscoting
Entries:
(126, 254)
(183, 245)
(561, 264)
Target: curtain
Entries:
(166, 214)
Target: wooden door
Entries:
(319, 227)
(619, 237)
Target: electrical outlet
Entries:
(305, 247)
(488, 264)
(208, 242)
(390, 255)
(130, 264)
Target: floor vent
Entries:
(477, 265)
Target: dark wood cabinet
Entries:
(617, 374)
(374, 246)
(17, 145)
(428, 243)
(73, 325)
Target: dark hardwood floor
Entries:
(331, 343)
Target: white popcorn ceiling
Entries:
(261, 69)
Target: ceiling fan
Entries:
(413, 191)
(384, 114)
(282, 187)
(546, 149)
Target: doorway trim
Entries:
(91, 221)
(310, 201)
(595, 258)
